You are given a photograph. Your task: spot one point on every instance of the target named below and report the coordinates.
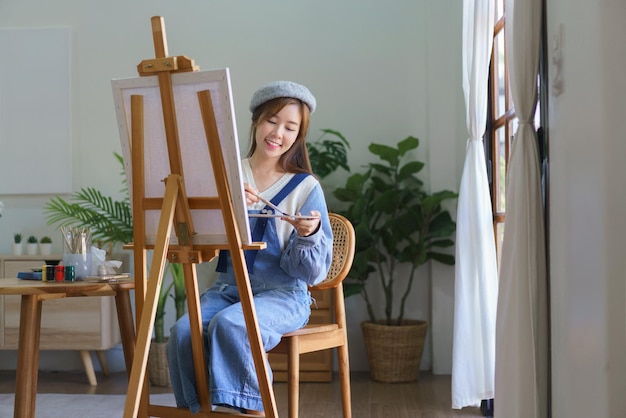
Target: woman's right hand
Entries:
(251, 194)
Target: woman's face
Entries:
(276, 134)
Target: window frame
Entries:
(507, 121)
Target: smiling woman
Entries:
(298, 255)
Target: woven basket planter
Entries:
(158, 369)
(394, 352)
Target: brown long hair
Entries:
(296, 159)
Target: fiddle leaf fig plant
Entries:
(397, 222)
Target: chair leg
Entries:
(344, 378)
(293, 377)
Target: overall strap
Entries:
(261, 223)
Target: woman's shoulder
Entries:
(309, 189)
(307, 181)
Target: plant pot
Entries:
(158, 369)
(45, 248)
(31, 249)
(394, 352)
(17, 248)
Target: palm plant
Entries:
(110, 221)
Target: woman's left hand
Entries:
(306, 226)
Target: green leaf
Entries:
(442, 258)
(442, 243)
(442, 225)
(407, 144)
(431, 202)
(386, 153)
(327, 155)
(350, 289)
(410, 168)
(383, 169)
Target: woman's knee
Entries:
(180, 333)
(227, 324)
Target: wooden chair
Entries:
(319, 337)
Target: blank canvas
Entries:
(196, 160)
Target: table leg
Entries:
(101, 355)
(127, 326)
(85, 356)
(28, 357)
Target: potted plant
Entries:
(17, 244)
(45, 245)
(397, 223)
(327, 155)
(31, 245)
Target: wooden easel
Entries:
(175, 209)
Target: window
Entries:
(502, 124)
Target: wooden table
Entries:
(33, 294)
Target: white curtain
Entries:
(522, 320)
(476, 285)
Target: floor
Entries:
(429, 397)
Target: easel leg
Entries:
(146, 323)
(254, 334)
(197, 340)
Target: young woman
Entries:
(298, 254)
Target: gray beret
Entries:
(277, 89)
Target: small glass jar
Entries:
(70, 274)
(59, 273)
